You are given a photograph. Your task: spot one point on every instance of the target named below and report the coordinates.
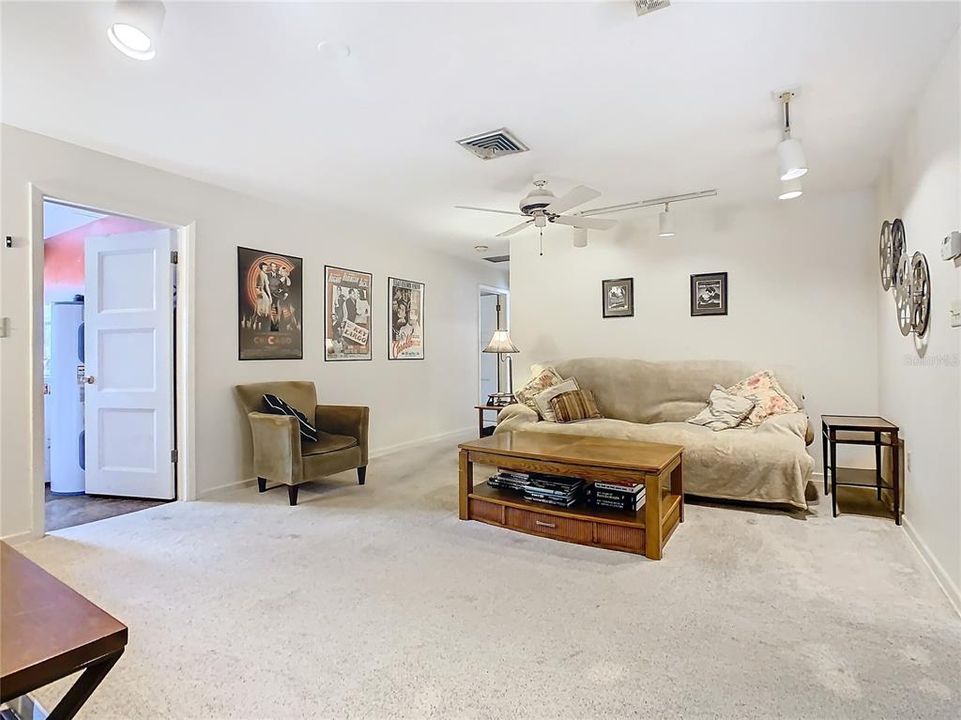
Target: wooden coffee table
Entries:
(592, 459)
(48, 631)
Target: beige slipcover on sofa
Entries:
(650, 401)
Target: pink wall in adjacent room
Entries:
(63, 269)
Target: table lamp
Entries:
(502, 344)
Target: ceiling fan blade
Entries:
(580, 194)
(515, 229)
(490, 210)
(584, 222)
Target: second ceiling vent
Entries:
(493, 144)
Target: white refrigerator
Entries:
(65, 402)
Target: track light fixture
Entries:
(136, 27)
(790, 153)
(791, 189)
(665, 222)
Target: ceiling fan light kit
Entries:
(135, 29)
(790, 153)
(580, 237)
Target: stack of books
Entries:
(537, 487)
(614, 495)
(554, 490)
(509, 480)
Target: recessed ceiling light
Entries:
(136, 27)
(481, 248)
(333, 50)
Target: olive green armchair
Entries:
(280, 454)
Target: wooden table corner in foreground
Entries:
(645, 532)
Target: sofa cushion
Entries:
(724, 410)
(574, 406)
(543, 399)
(767, 394)
(278, 406)
(327, 443)
(542, 380)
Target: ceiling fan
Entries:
(540, 206)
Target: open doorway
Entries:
(109, 297)
(493, 312)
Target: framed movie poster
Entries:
(270, 304)
(406, 299)
(347, 311)
(618, 297)
(709, 294)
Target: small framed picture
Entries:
(709, 294)
(618, 297)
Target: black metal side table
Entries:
(860, 430)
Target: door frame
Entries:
(185, 370)
(481, 341)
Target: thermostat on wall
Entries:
(951, 246)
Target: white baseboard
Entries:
(450, 435)
(373, 454)
(940, 574)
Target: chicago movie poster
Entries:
(406, 319)
(270, 305)
(347, 297)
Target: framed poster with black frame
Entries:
(270, 302)
(617, 297)
(709, 294)
(347, 316)
(405, 319)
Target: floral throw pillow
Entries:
(546, 378)
(768, 396)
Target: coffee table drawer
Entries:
(579, 531)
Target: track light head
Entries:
(791, 189)
(665, 223)
(580, 237)
(135, 29)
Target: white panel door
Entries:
(128, 342)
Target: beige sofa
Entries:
(650, 401)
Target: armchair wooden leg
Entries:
(262, 484)
(292, 493)
(361, 475)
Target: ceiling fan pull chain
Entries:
(542, 242)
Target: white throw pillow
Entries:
(724, 410)
(544, 397)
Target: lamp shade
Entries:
(501, 343)
(790, 156)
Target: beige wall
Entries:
(921, 391)
(409, 400)
(801, 283)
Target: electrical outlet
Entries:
(909, 461)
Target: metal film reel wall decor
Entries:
(909, 278)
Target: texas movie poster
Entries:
(406, 319)
(270, 305)
(347, 297)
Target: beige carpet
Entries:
(376, 602)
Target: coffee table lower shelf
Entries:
(581, 524)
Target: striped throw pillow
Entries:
(575, 405)
(277, 406)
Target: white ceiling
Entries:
(59, 218)
(675, 101)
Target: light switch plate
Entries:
(3, 326)
(956, 313)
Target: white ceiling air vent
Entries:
(644, 7)
(493, 144)
(498, 258)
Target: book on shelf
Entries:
(627, 497)
(551, 501)
(620, 487)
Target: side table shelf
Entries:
(860, 430)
